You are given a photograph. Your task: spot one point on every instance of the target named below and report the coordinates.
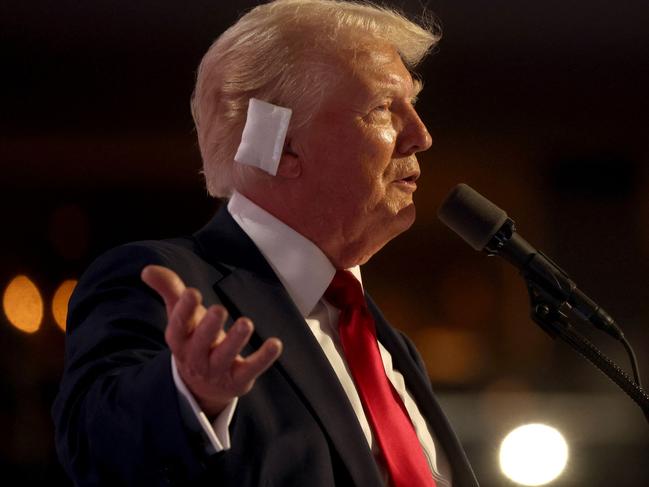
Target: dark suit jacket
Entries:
(117, 414)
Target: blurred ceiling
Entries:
(104, 75)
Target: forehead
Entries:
(372, 68)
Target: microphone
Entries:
(486, 227)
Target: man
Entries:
(309, 385)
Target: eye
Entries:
(380, 113)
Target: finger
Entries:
(165, 282)
(203, 338)
(185, 315)
(246, 371)
(226, 351)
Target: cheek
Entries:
(387, 136)
(379, 148)
(374, 144)
(358, 163)
(373, 155)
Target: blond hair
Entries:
(278, 52)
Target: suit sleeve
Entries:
(117, 415)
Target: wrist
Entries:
(213, 408)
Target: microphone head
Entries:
(472, 216)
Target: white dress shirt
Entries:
(306, 273)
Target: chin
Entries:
(406, 217)
(396, 225)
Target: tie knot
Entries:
(345, 291)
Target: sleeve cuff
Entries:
(217, 432)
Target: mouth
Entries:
(408, 181)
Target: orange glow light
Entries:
(60, 302)
(23, 304)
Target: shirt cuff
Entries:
(216, 432)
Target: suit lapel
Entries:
(252, 287)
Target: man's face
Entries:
(358, 153)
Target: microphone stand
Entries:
(546, 312)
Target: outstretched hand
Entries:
(207, 357)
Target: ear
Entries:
(290, 164)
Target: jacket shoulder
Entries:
(126, 261)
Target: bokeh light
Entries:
(60, 302)
(533, 454)
(23, 304)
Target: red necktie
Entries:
(402, 452)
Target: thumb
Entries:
(165, 282)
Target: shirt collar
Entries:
(303, 269)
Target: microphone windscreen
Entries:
(472, 216)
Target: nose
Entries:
(414, 136)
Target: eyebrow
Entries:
(417, 86)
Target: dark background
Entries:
(541, 106)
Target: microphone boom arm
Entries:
(546, 313)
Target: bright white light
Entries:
(533, 454)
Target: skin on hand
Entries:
(207, 357)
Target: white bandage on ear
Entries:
(263, 136)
